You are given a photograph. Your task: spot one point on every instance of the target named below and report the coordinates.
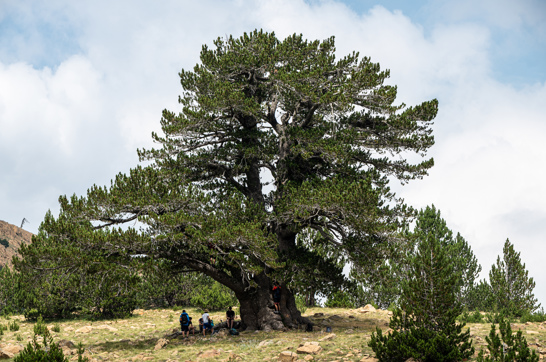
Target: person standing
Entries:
(277, 297)
(207, 322)
(230, 316)
(185, 323)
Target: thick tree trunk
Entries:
(258, 310)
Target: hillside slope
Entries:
(15, 236)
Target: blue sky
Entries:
(82, 85)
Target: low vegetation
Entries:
(135, 338)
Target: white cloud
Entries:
(79, 122)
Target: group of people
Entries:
(205, 322)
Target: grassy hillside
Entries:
(136, 338)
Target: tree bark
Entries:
(257, 308)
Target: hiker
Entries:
(277, 297)
(191, 328)
(185, 323)
(200, 325)
(207, 322)
(230, 315)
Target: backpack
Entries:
(233, 332)
(184, 320)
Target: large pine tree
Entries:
(276, 166)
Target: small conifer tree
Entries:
(512, 348)
(425, 327)
(511, 287)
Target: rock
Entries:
(308, 358)
(66, 343)
(349, 331)
(287, 356)
(85, 329)
(309, 348)
(5, 355)
(369, 359)
(208, 354)
(264, 343)
(328, 337)
(367, 308)
(68, 329)
(316, 315)
(13, 349)
(335, 317)
(161, 343)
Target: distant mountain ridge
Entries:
(15, 236)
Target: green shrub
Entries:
(300, 303)
(40, 328)
(474, 317)
(213, 296)
(4, 242)
(507, 348)
(537, 317)
(56, 328)
(31, 314)
(13, 326)
(339, 299)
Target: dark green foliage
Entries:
(207, 293)
(13, 326)
(508, 348)
(273, 139)
(511, 287)
(4, 242)
(383, 279)
(340, 299)
(537, 317)
(472, 317)
(481, 298)
(48, 351)
(425, 327)
(40, 327)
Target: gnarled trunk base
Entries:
(258, 310)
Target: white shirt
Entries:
(205, 317)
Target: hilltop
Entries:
(15, 236)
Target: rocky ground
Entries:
(149, 336)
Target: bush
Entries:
(214, 296)
(40, 328)
(508, 348)
(339, 299)
(4, 242)
(13, 326)
(474, 317)
(31, 314)
(301, 303)
(537, 317)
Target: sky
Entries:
(83, 84)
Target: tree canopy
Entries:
(277, 166)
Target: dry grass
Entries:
(134, 339)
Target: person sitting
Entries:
(191, 328)
(200, 325)
(207, 323)
(230, 315)
(185, 323)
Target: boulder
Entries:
(367, 308)
(288, 356)
(211, 353)
(66, 343)
(328, 337)
(309, 348)
(161, 343)
(13, 349)
(5, 355)
(86, 329)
